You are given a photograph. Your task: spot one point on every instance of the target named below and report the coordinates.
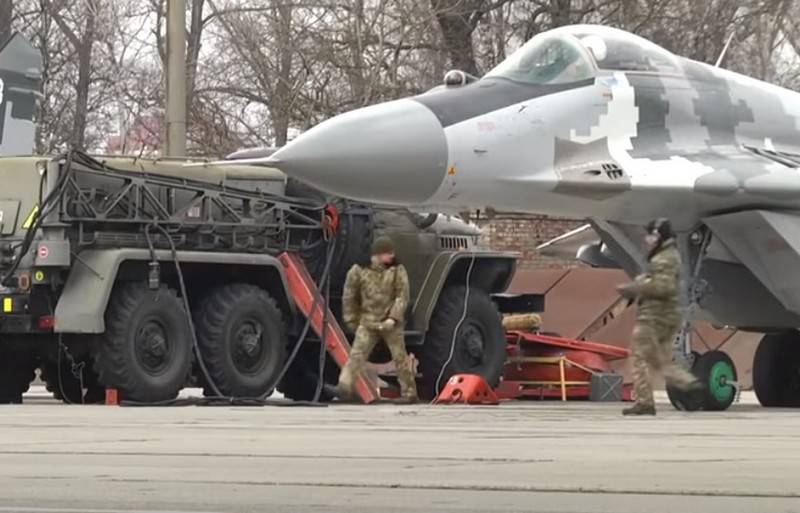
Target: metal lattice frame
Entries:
(103, 205)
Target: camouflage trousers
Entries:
(652, 354)
(364, 343)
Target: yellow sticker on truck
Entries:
(31, 218)
(8, 304)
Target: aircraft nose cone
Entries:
(394, 153)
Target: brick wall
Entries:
(523, 234)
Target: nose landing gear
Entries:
(717, 389)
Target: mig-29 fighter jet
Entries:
(596, 123)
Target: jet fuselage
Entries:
(638, 134)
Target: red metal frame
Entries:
(588, 357)
(608, 351)
(304, 292)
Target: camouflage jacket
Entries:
(373, 294)
(658, 290)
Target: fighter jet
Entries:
(20, 81)
(596, 123)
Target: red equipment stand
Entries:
(467, 389)
(542, 366)
(305, 294)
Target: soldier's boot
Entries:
(640, 409)
(405, 364)
(344, 390)
(406, 399)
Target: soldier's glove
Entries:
(388, 325)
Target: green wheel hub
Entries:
(722, 374)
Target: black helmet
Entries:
(661, 227)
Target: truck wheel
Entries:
(354, 237)
(242, 340)
(479, 347)
(300, 381)
(17, 370)
(776, 370)
(146, 351)
(67, 388)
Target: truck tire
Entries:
(300, 381)
(480, 346)
(146, 351)
(67, 388)
(17, 370)
(354, 237)
(242, 340)
(776, 370)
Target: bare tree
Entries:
(82, 35)
(458, 20)
(258, 72)
(6, 14)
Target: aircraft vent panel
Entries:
(613, 171)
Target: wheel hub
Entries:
(721, 374)
(248, 347)
(152, 347)
(471, 345)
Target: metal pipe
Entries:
(175, 144)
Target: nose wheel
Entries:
(719, 388)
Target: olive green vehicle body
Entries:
(77, 282)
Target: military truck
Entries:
(146, 276)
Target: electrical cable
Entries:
(458, 327)
(307, 326)
(48, 203)
(189, 320)
(46, 206)
(218, 395)
(325, 286)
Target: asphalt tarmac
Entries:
(543, 457)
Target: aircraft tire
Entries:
(242, 339)
(776, 370)
(146, 351)
(716, 369)
(686, 401)
(479, 347)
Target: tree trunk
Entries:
(355, 35)
(6, 13)
(282, 104)
(193, 43)
(561, 12)
(454, 17)
(84, 51)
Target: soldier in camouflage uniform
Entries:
(374, 302)
(658, 319)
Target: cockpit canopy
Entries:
(575, 53)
